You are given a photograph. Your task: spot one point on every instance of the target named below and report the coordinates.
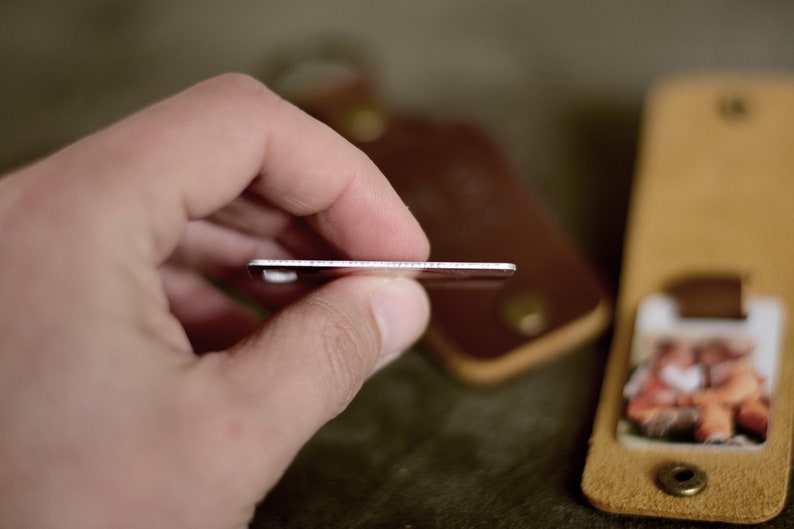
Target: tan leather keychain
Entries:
(695, 415)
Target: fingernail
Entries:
(401, 309)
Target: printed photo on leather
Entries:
(701, 381)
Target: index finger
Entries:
(192, 154)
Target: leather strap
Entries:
(712, 197)
(709, 296)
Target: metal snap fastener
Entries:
(733, 107)
(524, 312)
(364, 123)
(682, 479)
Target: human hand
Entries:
(109, 418)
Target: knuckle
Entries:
(243, 92)
(239, 83)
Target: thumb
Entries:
(309, 360)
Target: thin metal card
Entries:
(281, 271)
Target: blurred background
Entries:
(558, 84)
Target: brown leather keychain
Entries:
(473, 207)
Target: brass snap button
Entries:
(524, 312)
(364, 123)
(733, 107)
(682, 479)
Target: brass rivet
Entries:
(524, 312)
(682, 479)
(733, 108)
(365, 123)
